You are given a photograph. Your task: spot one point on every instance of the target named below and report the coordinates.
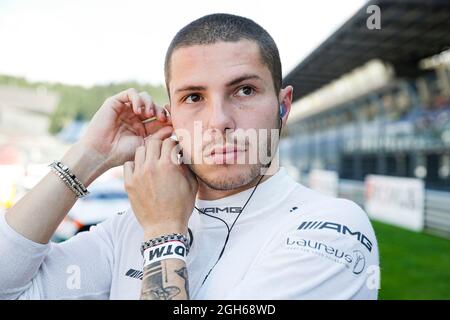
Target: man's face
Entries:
(215, 90)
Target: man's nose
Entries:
(221, 116)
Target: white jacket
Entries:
(290, 242)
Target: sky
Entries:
(88, 42)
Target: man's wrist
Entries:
(164, 229)
(84, 162)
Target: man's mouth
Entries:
(226, 154)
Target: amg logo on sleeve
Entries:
(340, 228)
(137, 274)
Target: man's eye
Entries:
(245, 91)
(193, 98)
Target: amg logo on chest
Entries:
(219, 210)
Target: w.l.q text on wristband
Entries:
(173, 249)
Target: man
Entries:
(253, 232)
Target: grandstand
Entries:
(377, 102)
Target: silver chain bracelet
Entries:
(69, 178)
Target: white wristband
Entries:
(173, 249)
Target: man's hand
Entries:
(116, 129)
(161, 191)
(113, 135)
(162, 194)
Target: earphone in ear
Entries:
(282, 111)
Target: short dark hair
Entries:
(217, 27)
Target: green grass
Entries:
(413, 265)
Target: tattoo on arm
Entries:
(184, 274)
(159, 281)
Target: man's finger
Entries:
(162, 133)
(161, 114)
(128, 168)
(139, 157)
(137, 102)
(149, 105)
(131, 96)
(153, 150)
(169, 150)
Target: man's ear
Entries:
(285, 98)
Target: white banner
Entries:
(395, 200)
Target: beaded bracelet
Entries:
(163, 239)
